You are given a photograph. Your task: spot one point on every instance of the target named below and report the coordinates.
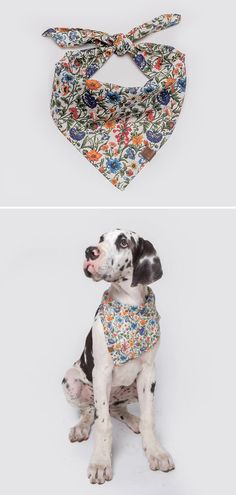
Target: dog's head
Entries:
(121, 256)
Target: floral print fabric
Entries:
(118, 129)
(129, 330)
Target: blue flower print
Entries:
(67, 78)
(114, 165)
(113, 97)
(133, 90)
(140, 60)
(141, 160)
(89, 100)
(76, 134)
(154, 137)
(130, 153)
(181, 84)
(149, 87)
(123, 358)
(91, 70)
(164, 97)
(48, 32)
(59, 37)
(73, 35)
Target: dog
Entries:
(95, 385)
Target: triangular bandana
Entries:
(117, 129)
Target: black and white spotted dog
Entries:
(94, 385)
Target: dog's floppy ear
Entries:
(146, 264)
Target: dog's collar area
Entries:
(119, 306)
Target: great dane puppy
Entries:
(94, 384)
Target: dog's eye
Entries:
(123, 243)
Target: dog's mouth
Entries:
(87, 273)
(90, 270)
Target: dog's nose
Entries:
(92, 253)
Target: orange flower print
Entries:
(93, 155)
(104, 147)
(110, 124)
(137, 140)
(93, 84)
(169, 82)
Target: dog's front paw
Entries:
(79, 433)
(99, 473)
(161, 460)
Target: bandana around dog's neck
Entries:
(118, 129)
(129, 330)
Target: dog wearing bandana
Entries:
(117, 365)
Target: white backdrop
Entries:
(40, 167)
(47, 307)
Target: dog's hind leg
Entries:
(122, 414)
(79, 394)
(120, 397)
(81, 431)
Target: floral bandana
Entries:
(129, 330)
(118, 129)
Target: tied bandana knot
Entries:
(122, 44)
(118, 129)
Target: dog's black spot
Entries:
(122, 268)
(112, 262)
(96, 414)
(117, 402)
(133, 241)
(147, 265)
(118, 241)
(153, 385)
(103, 403)
(101, 238)
(103, 420)
(63, 381)
(129, 265)
(96, 313)
(124, 279)
(67, 386)
(143, 390)
(86, 359)
(121, 417)
(127, 259)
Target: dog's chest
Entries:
(126, 373)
